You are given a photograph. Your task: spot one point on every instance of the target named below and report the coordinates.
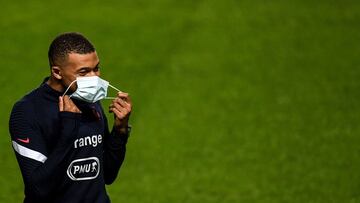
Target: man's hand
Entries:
(66, 104)
(121, 107)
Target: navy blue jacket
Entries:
(64, 156)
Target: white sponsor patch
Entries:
(93, 140)
(84, 169)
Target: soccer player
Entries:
(59, 131)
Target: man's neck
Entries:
(55, 84)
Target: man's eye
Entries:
(82, 72)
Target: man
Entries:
(59, 131)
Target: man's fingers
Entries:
(122, 103)
(118, 103)
(122, 94)
(125, 96)
(120, 108)
(118, 113)
(68, 105)
(66, 100)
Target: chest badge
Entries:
(84, 169)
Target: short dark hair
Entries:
(66, 43)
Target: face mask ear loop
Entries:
(110, 98)
(114, 89)
(67, 89)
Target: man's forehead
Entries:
(83, 60)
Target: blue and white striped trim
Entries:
(29, 153)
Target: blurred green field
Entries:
(234, 101)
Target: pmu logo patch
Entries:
(84, 169)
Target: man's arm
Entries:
(40, 170)
(114, 152)
(115, 142)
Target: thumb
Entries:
(61, 103)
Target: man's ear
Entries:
(56, 72)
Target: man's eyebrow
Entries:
(85, 68)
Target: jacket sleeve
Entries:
(40, 169)
(114, 152)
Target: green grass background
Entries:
(234, 101)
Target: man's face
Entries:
(79, 65)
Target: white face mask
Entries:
(90, 89)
